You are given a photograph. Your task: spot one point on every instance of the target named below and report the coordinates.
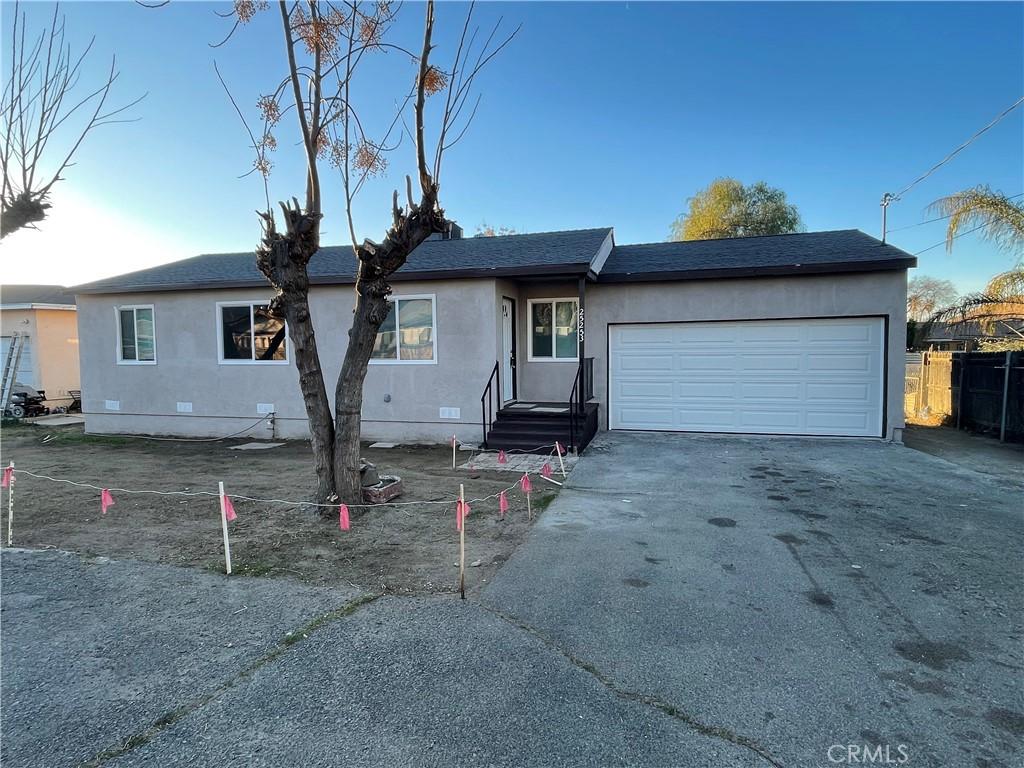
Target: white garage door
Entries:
(785, 377)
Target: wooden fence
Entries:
(981, 391)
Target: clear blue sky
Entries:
(606, 114)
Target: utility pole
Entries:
(887, 198)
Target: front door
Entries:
(508, 349)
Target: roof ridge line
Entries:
(745, 237)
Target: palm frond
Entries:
(980, 308)
(1000, 218)
(1003, 298)
(1007, 284)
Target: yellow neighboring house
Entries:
(48, 319)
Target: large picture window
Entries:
(249, 334)
(136, 335)
(554, 329)
(408, 333)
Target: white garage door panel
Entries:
(662, 418)
(709, 419)
(770, 390)
(801, 377)
(838, 393)
(714, 390)
(651, 391)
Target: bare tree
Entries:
(927, 294)
(42, 101)
(325, 45)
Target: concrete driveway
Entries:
(686, 601)
(790, 595)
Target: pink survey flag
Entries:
(343, 522)
(106, 501)
(229, 508)
(559, 448)
(524, 483)
(461, 510)
(546, 470)
(8, 477)
(502, 458)
(502, 504)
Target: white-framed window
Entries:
(136, 335)
(247, 334)
(553, 334)
(408, 336)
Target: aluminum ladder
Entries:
(11, 369)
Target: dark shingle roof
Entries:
(846, 250)
(549, 253)
(533, 254)
(36, 294)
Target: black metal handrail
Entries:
(487, 401)
(582, 392)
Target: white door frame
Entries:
(508, 349)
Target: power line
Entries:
(940, 218)
(955, 237)
(959, 149)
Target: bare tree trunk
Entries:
(370, 312)
(334, 44)
(376, 264)
(283, 259)
(314, 393)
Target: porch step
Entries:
(527, 429)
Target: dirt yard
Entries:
(402, 550)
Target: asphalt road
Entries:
(686, 601)
(96, 650)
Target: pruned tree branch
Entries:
(325, 45)
(43, 76)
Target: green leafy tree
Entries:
(727, 208)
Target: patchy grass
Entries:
(76, 437)
(252, 568)
(389, 549)
(302, 633)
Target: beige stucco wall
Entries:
(53, 335)
(400, 401)
(57, 353)
(543, 380)
(874, 293)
